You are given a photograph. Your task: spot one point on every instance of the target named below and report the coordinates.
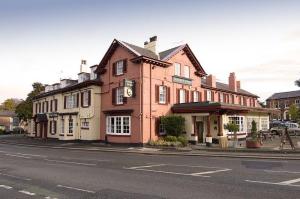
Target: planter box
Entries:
(252, 144)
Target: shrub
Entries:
(232, 127)
(174, 125)
(254, 134)
(170, 138)
(183, 140)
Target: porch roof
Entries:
(215, 107)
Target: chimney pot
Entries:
(154, 38)
(145, 43)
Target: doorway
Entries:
(200, 131)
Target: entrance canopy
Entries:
(41, 118)
(216, 107)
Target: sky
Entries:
(44, 40)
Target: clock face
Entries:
(129, 92)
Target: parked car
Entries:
(293, 128)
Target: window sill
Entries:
(120, 135)
(69, 135)
(162, 103)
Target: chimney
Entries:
(238, 84)
(83, 66)
(232, 82)
(211, 81)
(151, 45)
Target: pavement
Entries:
(46, 172)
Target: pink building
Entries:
(164, 83)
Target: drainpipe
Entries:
(141, 103)
(150, 102)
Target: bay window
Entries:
(118, 125)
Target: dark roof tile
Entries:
(282, 95)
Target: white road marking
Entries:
(272, 183)
(146, 166)
(5, 186)
(169, 172)
(210, 172)
(77, 189)
(27, 193)
(278, 171)
(273, 161)
(290, 181)
(67, 162)
(48, 197)
(13, 176)
(33, 155)
(18, 156)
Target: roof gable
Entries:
(168, 54)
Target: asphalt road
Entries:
(32, 172)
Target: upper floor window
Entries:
(221, 97)
(297, 101)
(208, 95)
(177, 69)
(119, 67)
(119, 95)
(186, 71)
(182, 96)
(286, 104)
(195, 96)
(162, 94)
(86, 98)
(71, 101)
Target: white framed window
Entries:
(181, 96)
(162, 94)
(208, 95)
(120, 67)
(71, 127)
(286, 104)
(85, 124)
(85, 99)
(195, 96)
(177, 69)
(297, 101)
(62, 126)
(221, 97)
(118, 125)
(238, 120)
(249, 123)
(119, 95)
(264, 123)
(71, 101)
(187, 71)
(53, 127)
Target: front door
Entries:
(200, 130)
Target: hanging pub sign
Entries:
(129, 88)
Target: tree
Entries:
(254, 133)
(297, 82)
(24, 109)
(9, 104)
(294, 112)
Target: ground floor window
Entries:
(162, 130)
(264, 123)
(62, 127)
(70, 126)
(118, 125)
(85, 124)
(238, 120)
(249, 123)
